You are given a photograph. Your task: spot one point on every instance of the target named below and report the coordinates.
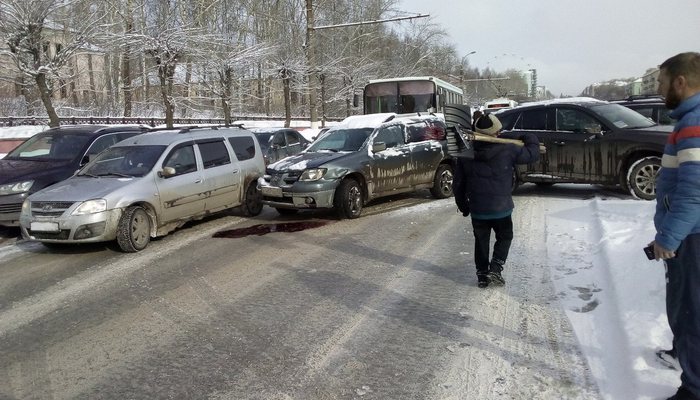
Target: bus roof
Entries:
(419, 78)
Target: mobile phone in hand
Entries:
(649, 251)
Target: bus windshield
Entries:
(409, 95)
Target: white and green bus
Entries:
(410, 94)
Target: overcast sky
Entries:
(571, 43)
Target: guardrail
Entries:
(151, 121)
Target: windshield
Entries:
(341, 140)
(263, 139)
(622, 117)
(50, 146)
(125, 161)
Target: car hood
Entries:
(19, 170)
(302, 161)
(80, 188)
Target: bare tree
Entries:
(24, 26)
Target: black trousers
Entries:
(683, 308)
(503, 228)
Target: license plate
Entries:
(271, 191)
(44, 226)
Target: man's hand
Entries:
(661, 253)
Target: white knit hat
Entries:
(488, 125)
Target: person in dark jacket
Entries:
(482, 187)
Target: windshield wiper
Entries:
(88, 174)
(333, 150)
(116, 174)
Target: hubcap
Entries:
(355, 199)
(646, 179)
(139, 228)
(446, 182)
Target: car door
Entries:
(574, 151)
(426, 151)
(541, 123)
(390, 168)
(183, 194)
(222, 176)
(294, 143)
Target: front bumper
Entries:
(88, 228)
(10, 208)
(299, 195)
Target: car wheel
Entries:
(286, 211)
(641, 177)
(134, 230)
(252, 203)
(442, 183)
(348, 199)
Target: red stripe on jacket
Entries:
(684, 133)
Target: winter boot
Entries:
(482, 280)
(495, 272)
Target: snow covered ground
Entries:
(613, 295)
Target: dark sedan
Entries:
(590, 141)
(49, 157)
(278, 143)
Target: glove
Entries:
(464, 208)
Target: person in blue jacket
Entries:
(482, 187)
(677, 217)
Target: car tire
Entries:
(348, 199)
(134, 229)
(287, 211)
(458, 114)
(641, 177)
(442, 182)
(252, 202)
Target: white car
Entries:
(147, 186)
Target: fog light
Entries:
(309, 200)
(90, 230)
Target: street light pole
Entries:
(461, 70)
(311, 61)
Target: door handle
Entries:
(198, 181)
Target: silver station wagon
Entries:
(362, 158)
(147, 186)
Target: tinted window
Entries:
(182, 159)
(102, 143)
(243, 146)
(341, 140)
(535, 120)
(419, 132)
(391, 135)
(55, 145)
(576, 121)
(292, 138)
(214, 154)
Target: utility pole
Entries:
(311, 54)
(311, 61)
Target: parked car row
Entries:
(76, 184)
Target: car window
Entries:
(124, 160)
(645, 111)
(420, 131)
(102, 143)
(341, 140)
(292, 138)
(569, 120)
(622, 117)
(182, 159)
(55, 145)
(664, 117)
(391, 135)
(243, 147)
(214, 153)
(535, 120)
(278, 139)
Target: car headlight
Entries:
(16, 187)
(312, 174)
(91, 207)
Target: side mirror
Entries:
(379, 146)
(167, 172)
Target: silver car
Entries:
(147, 186)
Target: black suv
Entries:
(589, 141)
(650, 106)
(49, 157)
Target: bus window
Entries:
(381, 98)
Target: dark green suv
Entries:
(362, 158)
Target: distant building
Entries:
(634, 88)
(650, 85)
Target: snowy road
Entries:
(382, 307)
